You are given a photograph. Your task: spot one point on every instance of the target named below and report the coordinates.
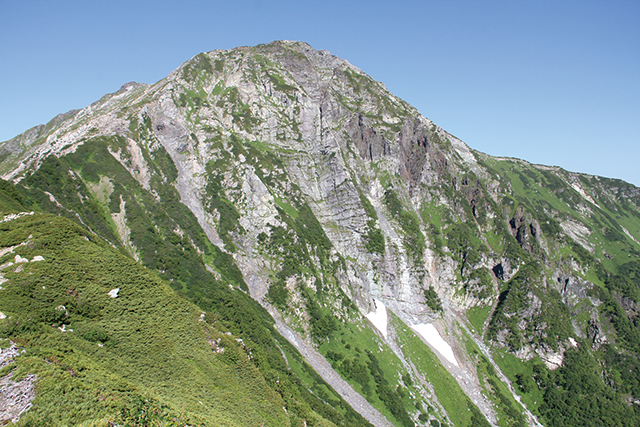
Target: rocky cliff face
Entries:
(330, 197)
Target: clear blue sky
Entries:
(552, 82)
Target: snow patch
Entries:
(113, 293)
(379, 317)
(432, 336)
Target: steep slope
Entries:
(101, 335)
(98, 339)
(419, 268)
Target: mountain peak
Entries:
(285, 175)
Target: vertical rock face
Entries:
(326, 192)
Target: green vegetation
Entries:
(392, 398)
(142, 352)
(521, 375)
(446, 388)
(477, 316)
(511, 411)
(553, 250)
(562, 399)
(304, 393)
(216, 202)
(295, 246)
(413, 237)
(370, 366)
(508, 411)
(480, 283)
(433, 300)
(279, 83)
(575, 395)
(11, 201)
(374, 236)
(464, 243)
(553, 317)
(55, 177)
(199, 64)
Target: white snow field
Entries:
(432, 336)
(379, 317)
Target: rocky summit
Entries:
(291, 244)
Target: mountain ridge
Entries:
(311, 187)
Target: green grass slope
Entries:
(142, 357)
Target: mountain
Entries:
(357, 263)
